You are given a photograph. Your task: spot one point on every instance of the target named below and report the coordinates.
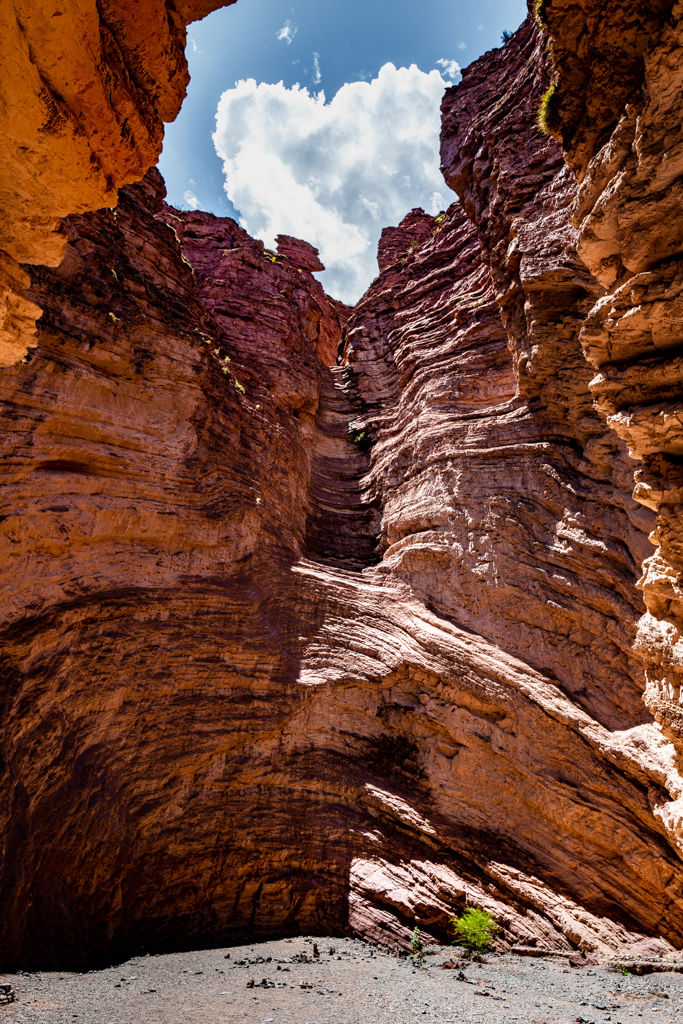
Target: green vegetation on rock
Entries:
(540, 7)
(546, 118)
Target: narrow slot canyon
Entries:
(332, 620)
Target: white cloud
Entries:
(333, 173)
(451, 67)
(287, 32)
(462, 45)
(190, 200)
(317, 77)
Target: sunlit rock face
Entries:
(85, 88)
(627, 212)
(322, 620)
(576, 511)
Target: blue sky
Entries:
(323, 46)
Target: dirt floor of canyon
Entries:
(349, 982)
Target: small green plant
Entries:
(417, 947)
(505, 36)
(475, 930)
(239, 386)
(546, 118)
(624, 969)
(361, 439)
(540, 18)
(440, 217)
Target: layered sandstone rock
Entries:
(597, 54)
(630, 168)
(517, 194)
(84, 90)
(397, 243)
(214, 725)
(154, 500)
(464, 469)
(322, 625)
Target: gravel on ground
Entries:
(312, 980)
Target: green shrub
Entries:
(505, 36)
(475, 930)
(546, 118)
(417, 947)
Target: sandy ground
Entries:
(349, 982)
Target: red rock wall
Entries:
(627, 212)
(577, 512)
(477, 494)
(212, 728)
(154, 501)
(289, 645)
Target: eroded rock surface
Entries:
(212, 727)
(627, 211)
(318, 622)
(571, 501)
(84, 90)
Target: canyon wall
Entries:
(626, 147)
(323, 620)
(84, 89)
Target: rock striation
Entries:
(629, 164)
(323, 620)
(84, 90)
(155, 493)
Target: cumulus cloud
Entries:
(317, 77)
(287, 32)
(451, 67)
(333, 173)
(190, 200)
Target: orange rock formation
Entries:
(84, 89)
